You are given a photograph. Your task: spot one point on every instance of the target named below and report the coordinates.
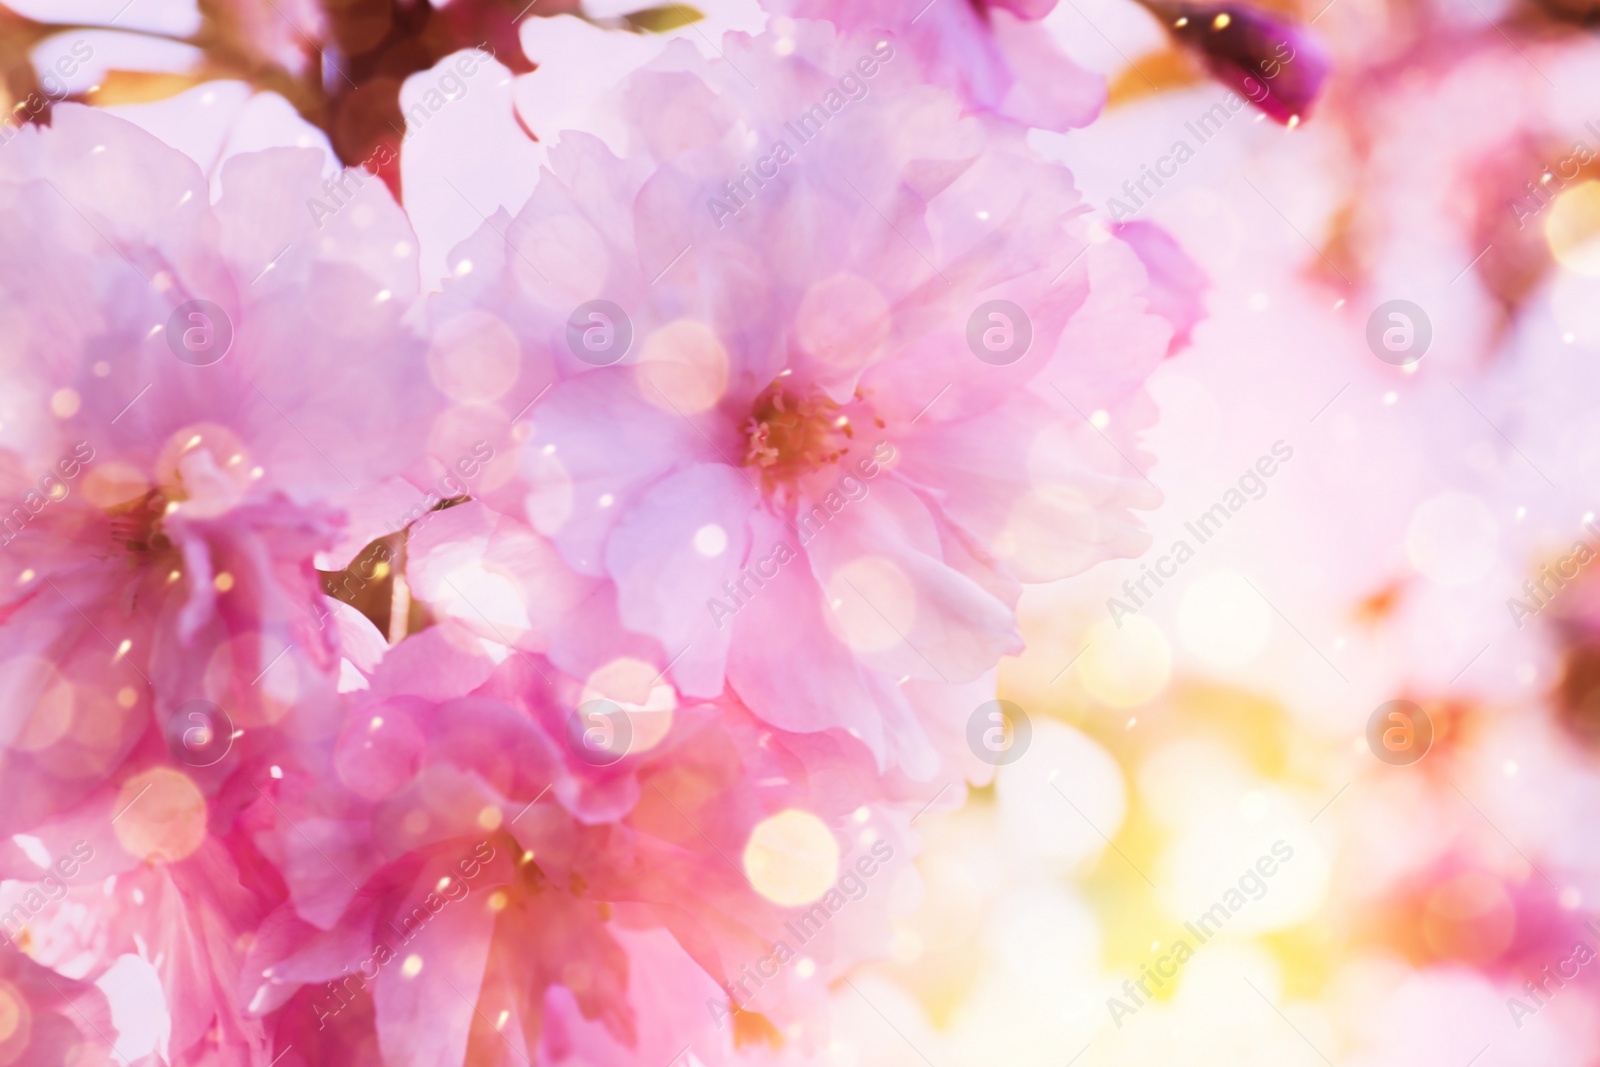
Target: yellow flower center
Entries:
(788, 436)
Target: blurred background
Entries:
(1318, 787)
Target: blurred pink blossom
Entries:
(807, 399)
(458, 849)
(195, 391)
(992, 54)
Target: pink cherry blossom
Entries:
(461, 850)
(994, 55)
(194, 391)
(52, 1019)
(707, 491)
(872, 379)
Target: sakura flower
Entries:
(992, 53)
(190, 904)
(458, 849)
(157, 870)
(51, 1020)
(845, 411)
(195, 390)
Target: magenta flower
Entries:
(827, 388)
(464, 842)
(720, 470)
(51, 1019)
(985, 51)
(194, 390)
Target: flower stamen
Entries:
(788, 437)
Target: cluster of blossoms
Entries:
(686, 543)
